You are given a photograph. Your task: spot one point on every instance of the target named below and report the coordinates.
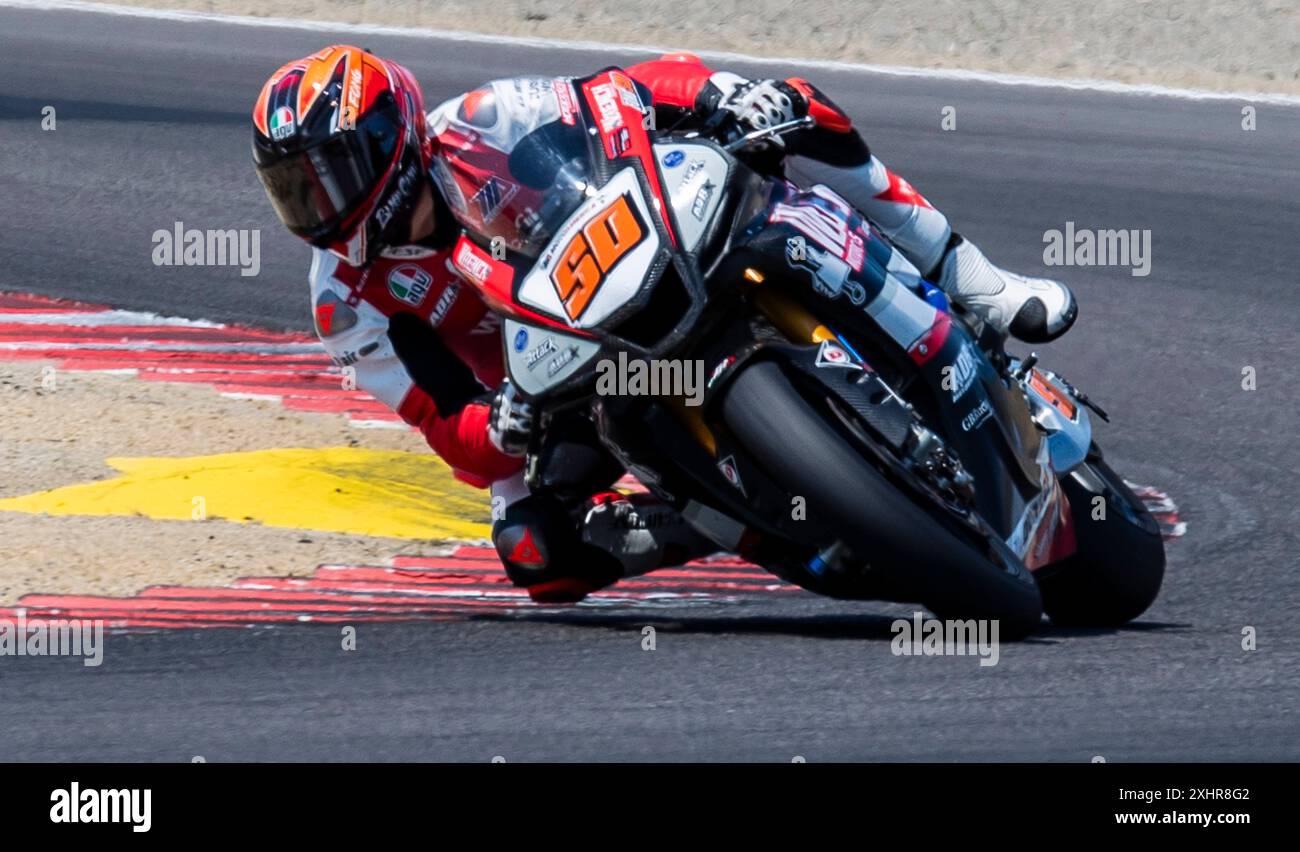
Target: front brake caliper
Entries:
(930, 459)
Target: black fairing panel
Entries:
(999, 449)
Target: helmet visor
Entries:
(316, 190)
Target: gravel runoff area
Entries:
(1226, 45)
(62, 436)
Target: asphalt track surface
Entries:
(153, 128)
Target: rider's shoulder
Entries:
(329, 273)
(343, 322)
(484, 106)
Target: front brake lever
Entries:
(773, 131)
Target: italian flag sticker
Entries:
(282, 123)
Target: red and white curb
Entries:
(468, 583)
(1162, 508)
(241, 363)
(293, 369)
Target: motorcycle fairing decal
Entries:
(621, 119)
(832, 354)
(829, 228)
(1052, 538)
(492, 279)
(884, 283)
(1035, 537)
(694, 188)
(539, 358)
(568, 283)
(731, 473)
(594, 251)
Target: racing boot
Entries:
(1034, 310)
(641, 532)
(617, 536)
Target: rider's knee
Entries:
(542, 551)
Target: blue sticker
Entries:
(673, 159)
(521, 340)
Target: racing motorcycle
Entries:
(857, 434)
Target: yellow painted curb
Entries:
(336, 489)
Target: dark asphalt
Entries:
(153, 128)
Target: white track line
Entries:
(157, 346)
(105, 318)
(950, 74)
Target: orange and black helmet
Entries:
(339, 144)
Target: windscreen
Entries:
(523, 193)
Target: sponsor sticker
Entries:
(829, 273)
(962, 374)
(410, 252)
(673, 159)
(333, 315)
(521, 339)
(492, 196)
(976, 417)
(559, 362)
(564, 97)
(702, 197)
(727, 467)
(831, 354)
(824, 227)
(720, 369)
(609, 115)
(409, 283)
(620, 141)
(352, 102)
(535, 355)
(444, 303)
(450, 189)
(475, 268)
(282, 123)
(626, 90)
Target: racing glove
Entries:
(757, 104)
(510, 421)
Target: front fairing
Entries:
(608, 249)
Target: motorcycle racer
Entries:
(352, 164)
(341, 147)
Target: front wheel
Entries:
(917, 555)
(1119, 564)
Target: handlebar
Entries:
(766, 132)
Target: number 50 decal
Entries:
(586, 261)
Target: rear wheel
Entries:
(917, 557)
(1119, 565)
